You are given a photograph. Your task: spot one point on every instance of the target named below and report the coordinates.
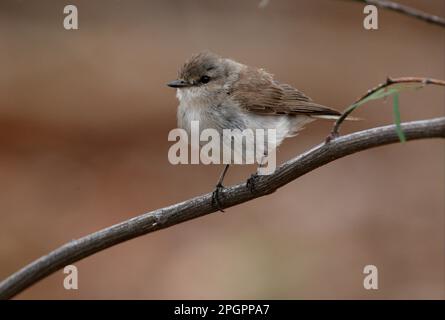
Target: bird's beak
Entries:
(178, 83)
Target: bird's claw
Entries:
(215, 196)
(250, 184)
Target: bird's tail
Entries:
(335, 117)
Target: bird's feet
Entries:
(215, 196)
(250, 183)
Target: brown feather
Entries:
(258, 92)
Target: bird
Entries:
(222, 93)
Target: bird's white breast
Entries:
(193, 106)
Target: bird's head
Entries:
(205, 74)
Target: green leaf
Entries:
(397, 117)
(392, 89)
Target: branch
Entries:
(202, 205)
(407, 11)
(385, 85)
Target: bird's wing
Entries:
(258, 92)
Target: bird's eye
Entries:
(204, 79)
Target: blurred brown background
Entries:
(84, 118)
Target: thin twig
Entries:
(389, 81)
(202, 205)
(403, 9)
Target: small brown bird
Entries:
(221, 94)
